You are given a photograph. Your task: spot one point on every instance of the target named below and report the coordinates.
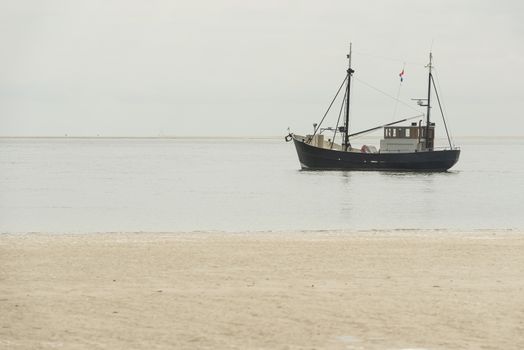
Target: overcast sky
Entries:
(252, 68)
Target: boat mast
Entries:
(346, 123)
(429, 66)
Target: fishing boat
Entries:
(402, 148)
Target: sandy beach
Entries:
(308, 290)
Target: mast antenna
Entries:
(349, 55)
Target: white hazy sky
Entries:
(252, 68)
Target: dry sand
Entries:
(346, 290)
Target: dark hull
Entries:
(315, 158)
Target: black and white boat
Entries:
(403, 148)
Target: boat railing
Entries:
(446, 148)
(440, 148)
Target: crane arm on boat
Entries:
(384, 125)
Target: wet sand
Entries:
(333, 290)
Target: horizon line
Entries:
(212, 137)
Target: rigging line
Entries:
(331, 104)
(387, 58)
(441, 112)
(436, 81)
(435, 70)
(386, 94)
(338, 120)
(396, 104)
(398, 92)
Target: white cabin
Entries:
(406, 139)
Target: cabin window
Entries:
(401, 133)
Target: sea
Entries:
(88, 185)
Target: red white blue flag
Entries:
(401, 75)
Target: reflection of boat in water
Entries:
(408, 148)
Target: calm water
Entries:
(107, 185)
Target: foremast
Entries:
(349, 71)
